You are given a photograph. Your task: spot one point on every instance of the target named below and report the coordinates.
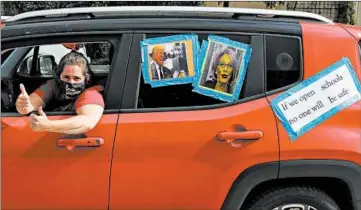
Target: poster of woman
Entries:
(221, 68)
(169, 60)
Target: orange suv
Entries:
(172, 148)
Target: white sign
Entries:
(317, 98)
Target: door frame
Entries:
(255, 75)
(121, 40)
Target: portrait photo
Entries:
(221, 68)
(169, 60)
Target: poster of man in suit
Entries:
(159, 70)
(168, 61)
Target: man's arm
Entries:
(87, 118)
(36, 101)
(25, 103)
(89, 108)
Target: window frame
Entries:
(359, 49)
(37, 52)
(120, 40)
(4, 53)
(301, 76)
(129, 101)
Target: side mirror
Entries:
(46, 64)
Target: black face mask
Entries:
(71, 90)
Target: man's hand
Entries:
(40, 122)
(23, 104)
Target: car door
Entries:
(44, 170)
(167, 154)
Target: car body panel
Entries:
(172, 160)
(339, 136)
(355, 31)
(37, 174)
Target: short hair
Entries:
(218, 56)
(75, 58)
(158, 46)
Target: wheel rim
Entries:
(295, 206)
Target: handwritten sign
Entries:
(316, 99)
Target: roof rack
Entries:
(5, 17)
(164, 10)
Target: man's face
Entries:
(224, 69)
(72, 74)
(178, 51)
(158, 56)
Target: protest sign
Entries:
(316, 99)
(169, 60)
(221, 68)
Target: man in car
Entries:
(71, 91)
(159, 71)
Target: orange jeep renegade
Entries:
(170, 147)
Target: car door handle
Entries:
(235, 138)
(246, 135)
(71, 143)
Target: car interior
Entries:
(37, 68)
(172, 96)
(282, 69)
(179, 95)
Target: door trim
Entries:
(117, 71)
(254, 77)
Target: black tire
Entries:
(294, 195)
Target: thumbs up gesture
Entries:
(40, 122)
(23, 103)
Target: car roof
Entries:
(5, 17)
(171, 11)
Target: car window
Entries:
(283, 61)
(179, 95)
(99, 55)
(5, 54)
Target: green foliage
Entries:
(273, 4)
(346, 12)
(16, 7)
(346, 9)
